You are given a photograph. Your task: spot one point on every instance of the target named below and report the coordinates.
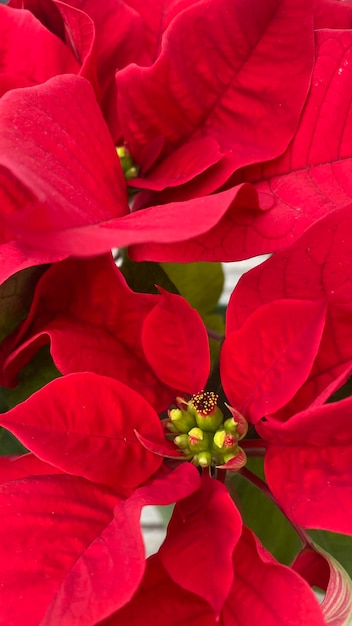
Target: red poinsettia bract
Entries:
(76, 520)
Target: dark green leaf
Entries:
(339, 546)
(40, 371)
(263, 517)
(143, 277)
(16, 295)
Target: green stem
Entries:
(260, 484)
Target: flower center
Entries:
(204, 435)
(130, 169)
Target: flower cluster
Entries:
(142, 145)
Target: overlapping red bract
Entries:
(316, 267)
(149, 342)
(266, 108)
(78, 535)
(312, 449)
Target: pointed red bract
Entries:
(176, 345)
(17, 467)
(316, 267)
(47, 523)
(160, 601)
(202, 534)
(29, 53)
(116, 559)
(262, 365)
(115, 328)
(156, 16)
(314, 175)
(187, 94)
(263, 591)
(307, 465)
(84, 424)
(259, 579)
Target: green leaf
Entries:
(37, 373)
(143, 277)
(9, 444)
(16, 295)
(263, 517)
(200, 283)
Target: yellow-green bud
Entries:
(198, 440)
(204, 459)
(183, 421)
(129, 168)
(182, 441)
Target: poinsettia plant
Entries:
(142, 145)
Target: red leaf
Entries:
(316, 266)
(313, 176)
(156, 16)
(27, 465)
(202, 229)
(93, 338)
(80, 34)
(201, 536)
(176, 345)
(30, 54)
(266, 592)
(159, 601)
(263, 592)
(82, 182)
(47, 523)
(202, 95)
(84, 424)
(115, 559)
(312, 449)
(270, 357)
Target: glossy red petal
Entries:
(47, 523)
(115, 559)
(219, 94)
(201, 536)
(265, 362)
(307, 465)
(84, 424)
(316, 266)
(176, 344)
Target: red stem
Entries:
(254, 447)
(214, 335)
(260, 484)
